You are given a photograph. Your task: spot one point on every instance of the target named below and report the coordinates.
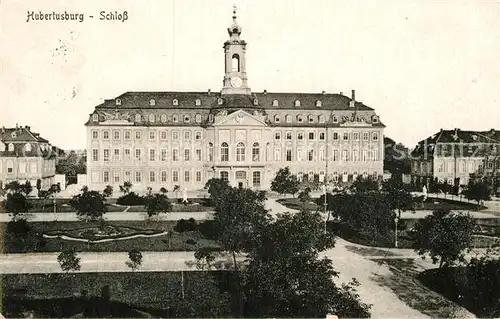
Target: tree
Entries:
(157, 203)
(125, 188)
(445, 188)
(396, 159)
(285, 182)
(90, 204)
(176, 189)
(444, 236)
(16, 187)
(135, 259)
(38, 186)
(15, 204)
(305, 196)
(204, 256)
(478, 191)
(20, 237)
(69, 260)
(364, 184)
(108, 191)
(216, 187)
(71, 164)
(163, 190)
(398, 195)
(286, 278)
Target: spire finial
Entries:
(234, 12)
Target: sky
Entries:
(422, 65)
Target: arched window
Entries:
(152, 102)
(210, 152)
(224, 152)
(256, 152)
(186, 118)
(163, 118)
(255, 102)
(318, 103)
(137, 117)
(235, 63)
(220, 101)
(276, 118)
(175, 102)
(11, 147)
(198, 102)
(300, 119)
(297, 103)
(276, 103)
(198, 118)
(175, 118)
(240, 152)
(310, 119)
(268, 155)
(151, 118)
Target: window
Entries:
(152, 176)
(311, 135)
(321, 154)
(126, 154)
(10, 166)
(163, 154)
(297, 103)
(105, 135)
(22, 168)
(137, 118)
(322, 119)
(197, 102)
(138, 154)
(116, 135)
(187, 135)
(105, 177)
(300, 135)
(365, 155)
(163, 135)
(127, 135)
(33, 167)
(310, 119)
(198, 154)
(95, 154)
(210, 152)
(256, 179)
(300, 119)
(365, 136)
(288, 155)
(355, 136)
(163, 118)
(255, 102)
(255, 152)
(175, 102)
(106, 155)
(95, 135)
(118, 102)
(345, 136)
(151, 118)
(152, 102)
(186, 176)
(137, 135)
(197, 118)
(127, 177)
(175, 118)
(355, 155)
(322, 136)
(224, 176)
(300, 176)
(224, 152)
(288, 118)
(197, 135)
(198, 176)
(277, 135)
(116, 176)
(175, 155)
(375, 136)
(163, 176)
(277, 154)
(152, 154)
(187, 118)
(116, 154)
(175, 135)
(152, 135)
(335, 119)
(240, 152)
(310, 155)
(138, 177)
(187, 155)
(299, 155)
(318, 103)
(345, 155)
(335, 136)
(288, 135)
(471, 167)
(276, 118)
(210, 117)
(441, 167)
(276, 103)
(235, 63)
(175, 176)
(95, 117)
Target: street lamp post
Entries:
(396, 219)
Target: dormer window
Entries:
(187, 118)
(375, 119)
(175, 102)
(163, 118)
(28, 147)
(310, 118)
(335, 119)
(276, 103)
(118, 102)
(151, 118)
(175, 118)
(198, 102)
(197, 118)
(318, 103)
(474, 137)
(276, 118)
(297, 103)
(13, 135)
(152, 102)
(137, 118)
(220, 101)
(11, 147)
(255, 102)
(95, 117)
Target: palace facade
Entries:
(162, 139)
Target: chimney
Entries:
(352, 103)
(3, 129)
(323, 92)
(209, 91)
(17, 126)
(353, 94)
(27, 127)
(341, 93)
(265, 91)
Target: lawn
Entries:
(185, 241)
(433, 203)
(148, 291)
(296, 204)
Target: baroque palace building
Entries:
(162, 139)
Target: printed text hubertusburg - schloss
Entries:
(65, 16)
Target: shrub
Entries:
(131, 199)
(181, 201)
(191, 242)
(186, 225)
(209, 230)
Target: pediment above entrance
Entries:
(239, 118)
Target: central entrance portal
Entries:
(241, 178)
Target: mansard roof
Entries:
(20, 134)
(138, 100)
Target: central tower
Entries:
(235, 78)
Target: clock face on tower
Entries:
(236, 82)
